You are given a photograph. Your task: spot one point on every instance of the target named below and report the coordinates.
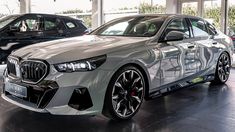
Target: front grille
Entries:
(33, 71)
(29, 71)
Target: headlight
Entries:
(81, 65)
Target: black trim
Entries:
(46, 98)
(80, 99)
(183, 83)
(40, 94)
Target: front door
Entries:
(53, 28)
(204, 54)
(178, 57)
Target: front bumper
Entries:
(78, 93)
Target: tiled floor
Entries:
(201, 108)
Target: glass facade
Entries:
(212, 12)
(190, 8)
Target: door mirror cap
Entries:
(174, 36)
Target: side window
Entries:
(199, 27)
(178, 25)
(52, 24)
(211, 29)
(28, 24)
(70, 24)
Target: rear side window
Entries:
(28, 24)
(70, 24)
(199, 27)
(53, 24)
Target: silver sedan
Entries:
(118, 65)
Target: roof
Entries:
(48, 15)
(165, 15)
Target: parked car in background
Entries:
(17, 31)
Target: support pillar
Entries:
(224, 16)
(200, 8)
(25, 6)
(97, 13)
(172, 6)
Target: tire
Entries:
(222, 69)
(124, 94)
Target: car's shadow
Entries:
(155, 114)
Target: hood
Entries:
(77, 48)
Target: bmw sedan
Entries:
(114, 68)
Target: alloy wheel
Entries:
(127, 93)
(223, 67)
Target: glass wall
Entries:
(80, 9)
(114, 10)
(9, 7)
(152, 6)
(190, 8)
(212, 12)
(118, 9)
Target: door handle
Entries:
(32, 37)
(214, 43)
(191, 46)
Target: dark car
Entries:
(17, 31)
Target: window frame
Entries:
(72, 21)
(193, 29)
(207, 26)
(63, 27)
(36, 17)
(161, 38)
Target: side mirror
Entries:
(14, 29)
(174, 36)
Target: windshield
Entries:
(141, 26)
(6, 20)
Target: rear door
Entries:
(178, 57)
(204, 42)
(53, 28)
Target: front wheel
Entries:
(125, 94)
(222, 69)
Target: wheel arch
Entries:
(146, 80)
(144, 73)
(228, 56)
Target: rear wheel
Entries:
(222, 69)
(125, 94)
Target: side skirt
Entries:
(166, 89)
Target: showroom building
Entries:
(120, 66)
